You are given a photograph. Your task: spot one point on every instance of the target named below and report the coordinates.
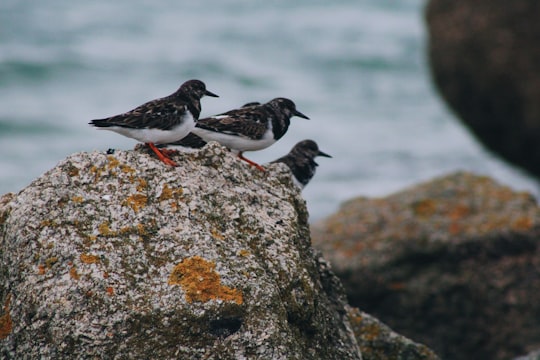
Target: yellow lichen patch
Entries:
(127, 169)
(47, 223)
(244, 253)
(105, 230)
(89, 259)
(142, 184)
(201, 282)
(424, 207)
(216, 235)
(51, 261)
(77, 199)
(113, 162)
(74, 274)
(5, 320)
(141, 230)
(96, 171)
(166, 193)
(136, 201)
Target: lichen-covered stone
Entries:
(453, 263)
(378, 342)
(120, 256)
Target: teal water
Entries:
(356, 68)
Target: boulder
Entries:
(120, 256)
(485, 63)
(378, 342)
(453, 263)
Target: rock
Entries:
(378, 342)
(120, 256)
(453, 263)
(486, 64)
(535, 355)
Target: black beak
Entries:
(298, 113)
(208, 93)
(323, 154)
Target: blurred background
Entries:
(358, 69)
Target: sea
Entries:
(358, 69)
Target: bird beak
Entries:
(323, 154)
(208, 93)
(298, 113)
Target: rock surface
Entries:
(453, 263)
(378, 342)
(120, 256)
(486, 64)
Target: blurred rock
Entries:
(120, 256)
(453, 263)
(485, 61)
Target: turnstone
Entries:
(250, 128)
(192, 141)
(301, 161)
(162, 120)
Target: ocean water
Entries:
(358, 69)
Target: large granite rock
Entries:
(453, 263)
(120, 256)
(485, 62)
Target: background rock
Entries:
(486, 64)
(120, 256)
(453, 263)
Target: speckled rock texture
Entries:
(453, 263)
(486, 64)
(378, 342)
(122, 257)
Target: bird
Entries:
(249, 128)
(192, 142)
(162, 120)
(300, 161)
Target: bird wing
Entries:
(245, 122)
(162, 114)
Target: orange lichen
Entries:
(51, 261)
(201, 282)
(104, 229)
(113, 162)
(110, 291)
(244, 252)
(455, 228)
(5, 320)
(166, 193)
(142, 184)
(77, 199)
(523, 223)
(425, 207)
(89, 259)
(127, 169)
(141, 230)
(216, 235)
(41, 269)
(458, 212)
(136, 201)
(73, 273)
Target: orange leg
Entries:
(161, 156)
(168, 152)
(250, 162)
